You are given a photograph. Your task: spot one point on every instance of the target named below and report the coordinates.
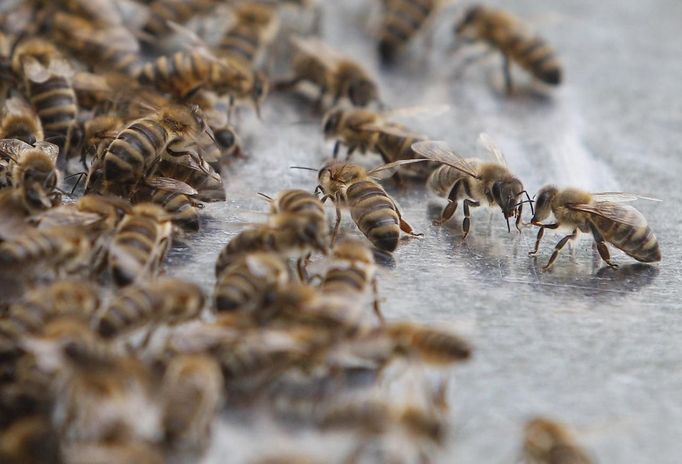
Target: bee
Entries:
(402, 21)
(548, 442)
(372, 209)
(473, 181)
(287, 234)
(331, 73)
(196, 173)
(600, 214)
(192, 394)
(507, 34)
(33, 172)
(255, 26)
(139, 244)
(20, 121)
(161, 12)
(46, 76)
(245, 285)
(109, 47)
(163, 301)
(433, 346)
(136, 150)
(182, 209)
(351, 272)
(30, 440)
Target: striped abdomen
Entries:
(177, 11)
(57, 246)
(137, 249)
(375, 214)
(179, 73)
(298, 201)
(639, 242)
(442, 179)
(55, 102)
(393, 147)
(402, 20)
(532, 54)
(182, 209)
(242, 43)
(434, 346)
(133, 150)
(345, 279)
(247, 241)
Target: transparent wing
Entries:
(619, 213)
(317, 49)
(439, 151)
(13, 148)
(619, 197)
(50, 149)
(66, 215)
(489, 144)
(18, 105)
(387, 170)
(170, 185)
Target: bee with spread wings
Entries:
(473, 181)
(601, 214)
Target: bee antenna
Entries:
(508, 226)
(268, 198)
(305, 168)
(532, 210)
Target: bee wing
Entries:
(389, 169)
(619, 197)
(18, 105)
(66, 215)
(170, 185)
(13, 148)
(622, 214)
(387, 128)
(35, 71)
(50, 149)
(439, 151)
(489, 144)
(317, 49)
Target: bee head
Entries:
(331, 122)
(543, 202)
(361, 92)
(225, 137)
(506, 194)
(471, 15)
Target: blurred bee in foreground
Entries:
(331, 73)
(19, 120)
(507, 34)
(254, 28)
(402, 21)
(372, 209)
(474, 182)
(600, 214)
(549, 442)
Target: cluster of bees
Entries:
(132, 104)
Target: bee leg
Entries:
(519, 212)
(336, 225)
(602, 248)
(407, 228)
(451, 207)
(349, 152)
(541, 233)
(466, 224)
(506, 70)
(375, 303)
(230, 109)
(558, 248)
(301, 264)
(337, 148)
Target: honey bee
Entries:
(192, 394)
(548, 442)
(433, 346)
(29, 440)
(332, 73)
(182, 209)
(163, 301)
(46, 77)
(351, 272)
(33, 172)
(372, 209)
(507, 34)
(255, 26)
(402, 21)
(139, 244)
(161, 12)
(287, 234)
(600, 214)
(109, 47)
(474, 181)
(20, 121)
(246, 284)
(196, 173)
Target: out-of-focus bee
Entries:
(296, 201)
(332, 73)
(507, 34)
(372, 209)
(365, 131)
(135, 151)
(20, 121)
(182, 209)
(352, 272)
(163, 301)
(549, 442)
(192, 394)
(402, 21)
(33, 172)
(109, 452)
(30, 440)
(107, 47)
(139, 244)
(161, 12)
(245, 285)
(432, 346)
(287, 234)
(474, 181)
(600, 214)
(46, 77)
(255, 26)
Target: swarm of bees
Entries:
(119, 120)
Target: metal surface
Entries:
(596, 348)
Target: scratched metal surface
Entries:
(598, 349)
